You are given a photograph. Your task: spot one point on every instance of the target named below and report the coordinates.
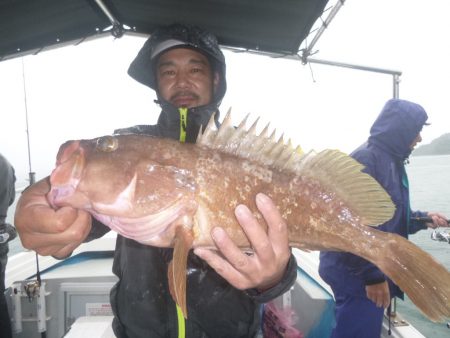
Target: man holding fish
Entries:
(186, 68)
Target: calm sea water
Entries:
(429, 178)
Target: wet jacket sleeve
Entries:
(98, 230)
(284, 285)
(415, 226)
(367, 271)
(7, 188)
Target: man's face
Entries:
(185, 78)
(418, 139)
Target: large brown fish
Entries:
(164, 193)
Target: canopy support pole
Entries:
(307, 51)
(117, 29)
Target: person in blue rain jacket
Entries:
(361, 290)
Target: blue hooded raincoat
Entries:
(383, 156)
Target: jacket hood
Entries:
(177, 35)
(397, 126)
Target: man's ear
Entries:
(216, 81)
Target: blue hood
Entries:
(397, 126)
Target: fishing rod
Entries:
(425, 219)
(35, 290)
(31, 174)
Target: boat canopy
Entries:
(280, 27)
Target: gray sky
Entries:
(83, 91)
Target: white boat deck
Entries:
(23, 265)
(77, 295)
(92, 326)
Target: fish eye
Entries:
(107, 143)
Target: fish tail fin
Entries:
(419, 275)
(177, 268)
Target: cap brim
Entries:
(165, 45)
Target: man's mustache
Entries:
(184, 94)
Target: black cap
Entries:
(172, 36)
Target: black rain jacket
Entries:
(141, 302)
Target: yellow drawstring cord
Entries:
(181, 323)
(183, 124)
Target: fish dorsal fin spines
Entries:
(246, 143)
(335, 170)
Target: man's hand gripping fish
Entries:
(164, 193)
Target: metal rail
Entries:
(395, 73)
(297, 57)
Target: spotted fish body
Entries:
(164, 193)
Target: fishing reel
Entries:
(7, 233)
(440, 236)
(436, 235)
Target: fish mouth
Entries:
(65, 178)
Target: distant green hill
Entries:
(439, 146)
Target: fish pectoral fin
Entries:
(178, 265)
